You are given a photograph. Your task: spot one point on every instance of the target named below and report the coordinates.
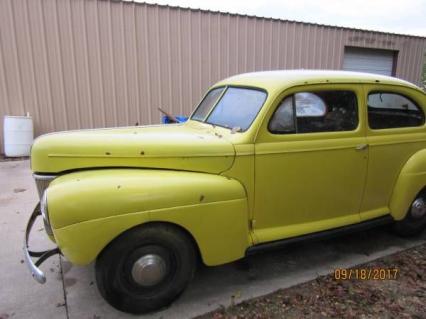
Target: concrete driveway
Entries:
(70, 291)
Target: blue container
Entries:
(166, 120)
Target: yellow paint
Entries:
(410, 181)
(161, 146)
(232, 190)
(317, 180)
(292, 230)
(82, 242)
(389, 153)
(88, 209)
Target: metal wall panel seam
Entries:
(209, 48)
(74, 64)
(169, 64)
(87, 68)
(180, 66)
(46, 63)
(124, 57)
(227, 44)
(200, 53)
(418, 65)
(147, 66)
(114, 93)
(16, 60)
(5, 109)
(61, 69)
(159, 82)
(4, 92)
(99, 57)
(136, 62)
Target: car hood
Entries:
(180, 147)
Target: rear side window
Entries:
(320, 111)
(392, 110)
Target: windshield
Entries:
(230, 107)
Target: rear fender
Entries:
(410, 182)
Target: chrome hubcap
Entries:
(418, 208)
(149, 270)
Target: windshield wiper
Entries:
(171, 117)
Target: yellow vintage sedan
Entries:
(266, 159)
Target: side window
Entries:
(320, 111)
(207, 103)
(283, 119)
(392, 110)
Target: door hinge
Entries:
(252, 223)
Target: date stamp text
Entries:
(366, 273)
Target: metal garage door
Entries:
(369, 60)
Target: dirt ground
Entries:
(397, 292)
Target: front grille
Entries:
(42, 182)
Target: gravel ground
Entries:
(399, 293)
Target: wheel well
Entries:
(421, 192)
(179, 228)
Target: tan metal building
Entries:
(94, 63)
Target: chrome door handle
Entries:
(361, 147)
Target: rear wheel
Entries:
(146, 268)
(415, 220)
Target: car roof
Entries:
(281, 79)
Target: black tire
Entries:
(414, 222)
(115, 266)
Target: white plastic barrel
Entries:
(18, 135)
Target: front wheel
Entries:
(146, 268)
(415, 220)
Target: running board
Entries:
(321, 235)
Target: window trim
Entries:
(293, 106)
(393, 128)
(295, 116)
(225, 86)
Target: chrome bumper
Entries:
(37, 274)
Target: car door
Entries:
(310, 162)
(396, 130)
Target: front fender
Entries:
(410, 182)
(89, 209)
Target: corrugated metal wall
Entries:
(93, 63)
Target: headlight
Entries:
(45, 214)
